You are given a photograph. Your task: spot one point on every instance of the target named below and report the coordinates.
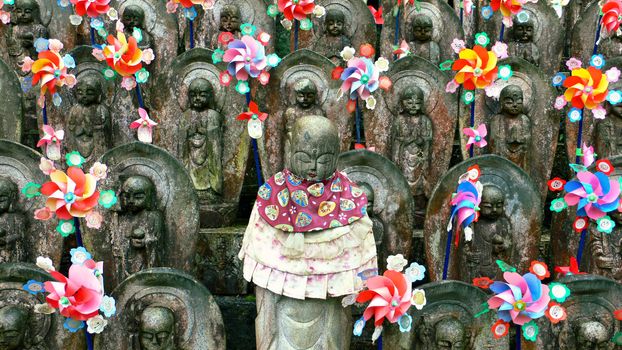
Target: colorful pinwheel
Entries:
(476, 136)
(91, 8)
(123, 55)
(389, 296)
(464, 207)
(52, 141)
(612, 15)
(296, 9)
(572, 269)
(594, 194)
(246, 57)
(476, 68)
(255, 120)
(172, 4)
(70, 195)
(50, 69)
(402, 50)
(361, 78)
(378, 18)
(520, 298)
(144, 125)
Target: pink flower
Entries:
(457, 45)
(613, 74)
(144, 126)
(46, 166)
(500, 49)
(148, 56)
(171, 6)
(27, 64)
(493, 91)
(452, 86)
(599, 112)
(560, 102)
(573, 63)
(264, 78)
(55, 45)
(225, 78)
(43, 214)
(98, 54)
(94, 220)
(5, 17)
(389, 295)
(52, 141)
(246, 57)
(128, 83)
(476, 136)
(99, 171)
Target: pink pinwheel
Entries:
(588, 155)
(92, 8)
(144, 125)
(80, 295)
(520, 299)
(464, 207)
(594, 194)
(51, 139)
(246, 57)
(296, 9)
(360, 78)
(476, 136)
(70, 195)
(390, 296)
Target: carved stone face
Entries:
(315, 148)
(13, 325)
(523, 32)
(493, 203)
(423, 29)
(511, 101)
(306, 93)
(157, 329)
(137, 194)
(26, 12)
(335, 22)
(200, 94)
(8, 194)
(88, 91)
(450, 335)
(230, 19)
(411, 100)
(592, 336)
(133, 17)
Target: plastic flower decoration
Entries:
(508, 8)
(612, 15)
(402, 50)
(476, 136)
(255, 120)
(144, 125)
(465, 204)
(5, 16)
(52, 141)
(50, 69)
(79, 296)
(125, 58)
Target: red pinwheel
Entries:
(70, 195)
(586, 88)
(594, 194)
(508, 8)
(91, 8)
(612, 15)
(296, 9)
(377, 14)
(572, 269)
(255, 119)
(475, 68)
(390, 296)
(123, 55)
(50, 70)
(189, 3)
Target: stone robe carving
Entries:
(11, 112)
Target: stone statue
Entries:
(12, 223)
(13, 327)
(412, 141)
(422, 44)
(510, 131)
(230, 21)
(163, 309)
(373, 213)
(334, 37)
(89, 121)
(134, 17)
(139, 247)
(609, 132)
(301, 309)
(306, 104)
(203, 139)
(606, 250)
(12, 109)
(593, 335)
(492, 238)
(522, 44)
(449, 334)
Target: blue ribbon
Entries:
(44, 110)
(447, 252)
(92, 36)
(191, 29)
(581, 246)
(139, 95)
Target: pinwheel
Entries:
(378, 18)
(91, 8)
(508, 8)
(519, 299)
(296, 9)
(123, 55)
(52, 141)
(360, 78)
(246, 57)
(144, 125)
(612, 15)
(464, 207)
(594, 194)
(70, 195)
(586, 88)
(401, 51)
(476, 136)
(588, 155)
(255, 119)
(572, 269)
(475, 68)
(50, 69)
(389, 296)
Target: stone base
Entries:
(216, 214)
(238, 314)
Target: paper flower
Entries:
(389, 296)
(5, 16)
(520, 298)
(50, 70)
(144, 125)
(556, 184)
(70, 195)
(52, 141)
(612, 15)
(255, 120)
(34, 287)
(594, 194)
(418, 299)
(539, 269)
(396, 262)
(296, 9)
(464, 207)
(91, 8)
(415, 272)
(476, 136)
(123, 55)
(246, 58)
(500, 329)
(475, 68)
(45, 263)
(482, 282)
(555, 313)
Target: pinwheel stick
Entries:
(191, 29)
(461, 11)
(501, 32)
(472, 125)
(379, 347)
(255, 149)
(89, 340)
(357, 121)
(92, 36)
(44, 111)
(518, 337)
(447, 253)
(139, 95)
(581, 246)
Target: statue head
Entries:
(522, 32)
(200, 94)
(423, 28)
(493, 203)
(314, 148)
(511, 99)
(306, 93)
(230, 18)
(592, 335)
(335, 22)
(133, 17)
(89, 90)
(449, 335)
(13, 327)
(411, 100)
(157, 328)
(26, 12)
(8, 194)
(137, 194)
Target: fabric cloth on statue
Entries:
(292, 204)
(317, 264)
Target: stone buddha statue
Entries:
(140, 227)
(14, 326)
(301, 309)
(157, 329)
(230, 21)
(411, 142)
(609, 132)
(12, 223)
(593, 335)
(202, 138)
(510, 131)
(606, 250)
(306, 104)
(335, 37)
(134, 17)
(422, 44)
(492, 238)
(521, 44)
(89, 120)
(26, 27)
(449, 334)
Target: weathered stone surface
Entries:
(447, 321)
(390, 203)
(11, 110)
(511, 231)
(22, 238)
(584, 35)
(32, 330)
(235, 13)
(156, 220)
(239, 315)
(163, 308)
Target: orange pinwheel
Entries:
(507, 7)
(476, 68)
(123, 55)
(50, 70)
(70, 195)
(586, 88)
